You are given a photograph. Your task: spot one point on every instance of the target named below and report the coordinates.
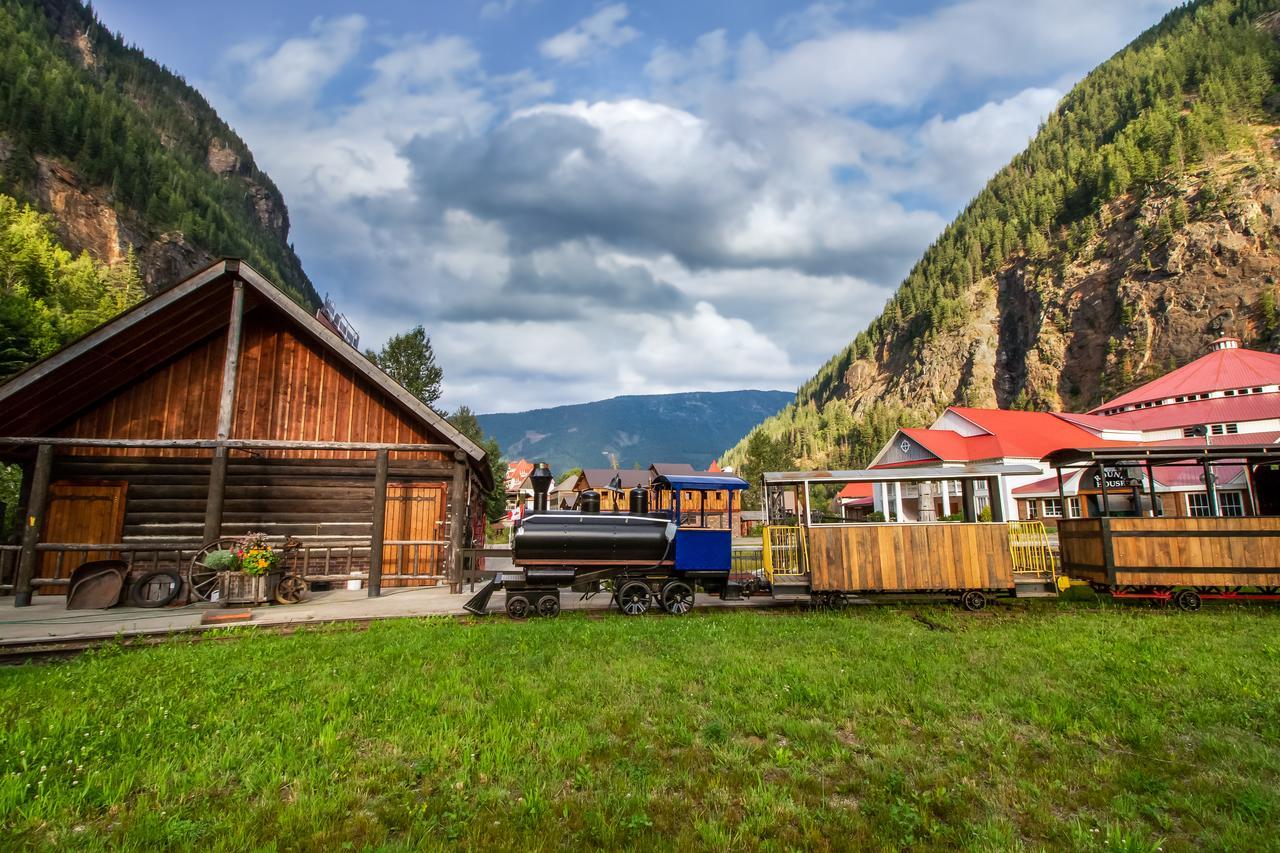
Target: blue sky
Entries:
(580, 199)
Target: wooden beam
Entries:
(226, 407)
(457, 521)
(378, 538)
(36, 506)
(230, 444)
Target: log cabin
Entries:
(218, 407)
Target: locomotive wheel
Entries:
(291, 589)
(633, 598)
(518, 607)
(1188, 600)
(549, 606)
(677, 598)
(973, 600)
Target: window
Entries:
(1198, 503)
(1031, 508)
(1053, 508)
(1188, 432)
(1232, 503)
(1073, 507)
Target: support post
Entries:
(946, 497)
(1106, 505)
(35, 509)
(1211, 488)
(457, 520)
(379, 523)
(1062, 494)
(1157, 509)
(967, 501)
(226, 409)
(897, 502)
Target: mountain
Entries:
(1141, 222)
(639, 429)
(132, 164)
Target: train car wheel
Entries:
(973, 600)
(677, 598)
(633, 598)
(518, 607)
(549, 606)
(1188, 600)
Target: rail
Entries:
(785, 552)
(1031, 549)
(404, 560)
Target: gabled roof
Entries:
(1219, 370)
(1026, 435)
(951, 446)
(600, 478)
(660, 468)
(1215, 410)
(160, 328)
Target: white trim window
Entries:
(1052, 508)
(1032, 509)
(1198, 504)
(1073, 507)
(1232, 503)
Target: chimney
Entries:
(541, 479)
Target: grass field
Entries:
(1079, 726)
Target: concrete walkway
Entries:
(47, 621)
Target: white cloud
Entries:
(300, 67)
(591, 35)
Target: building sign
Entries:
(1117, 478)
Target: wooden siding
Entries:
(1174, 551)
(415, 511)
(85, 513)
(910, 557)
(288, 388)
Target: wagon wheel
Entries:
(633, 598)
(973, 600)
(1188, 600)
(677, 598)
(202, 579)
(518, 607)
(549, 606)
(291, 589)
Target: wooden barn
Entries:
(219, 407)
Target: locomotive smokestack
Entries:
(541, 479)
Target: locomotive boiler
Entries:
(674, 539)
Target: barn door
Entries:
(415, 514)
(81, 513)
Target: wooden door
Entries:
(415, 513)
(81, 513)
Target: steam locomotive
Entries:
(650, 556)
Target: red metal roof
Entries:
(1029, 435)
(856, 490)
(1216, 371)
(1217, 410)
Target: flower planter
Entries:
(240, 588)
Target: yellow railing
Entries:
(785, 552)
(1032, 553)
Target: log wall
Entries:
(910, 557)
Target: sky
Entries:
(583, 199)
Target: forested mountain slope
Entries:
(1141, 222)
(126, 156)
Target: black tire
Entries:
(633, 598)
(1188, 600)
(973, 600)
(677, 598)
(138, 589)
(549, 606)
(518, 607)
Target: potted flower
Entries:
(252, 571)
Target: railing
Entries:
(785, 552)
(1031, 549)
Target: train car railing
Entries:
(1031, 549)
(785, 552)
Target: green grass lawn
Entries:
(1051, 726)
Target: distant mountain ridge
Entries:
(692, 427)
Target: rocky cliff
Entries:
(129, 160)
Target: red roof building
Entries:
(1230, 396)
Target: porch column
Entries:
(35, 509)
(878, 502)
(946, 497)
(378, 535)
(967, 501)
(897, 501)
(457, 520)
(226, 408)
(1157, 509)
(995, 498)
